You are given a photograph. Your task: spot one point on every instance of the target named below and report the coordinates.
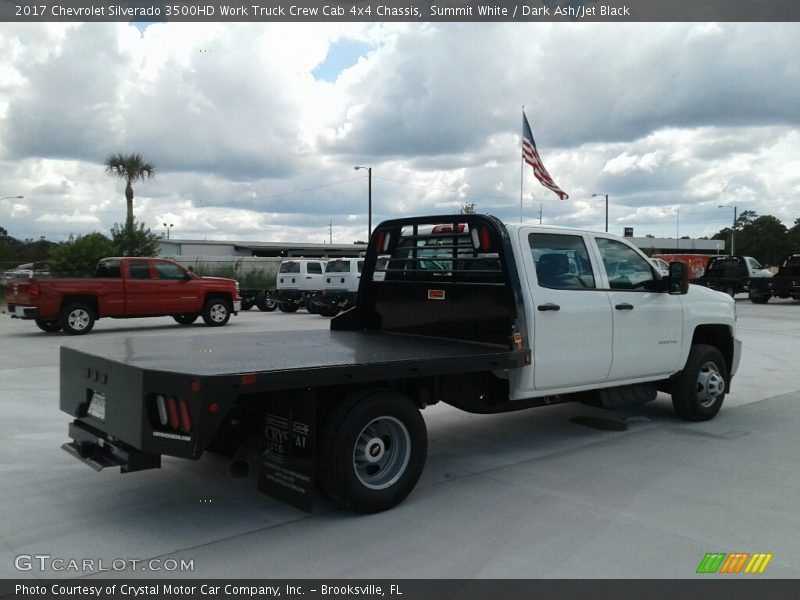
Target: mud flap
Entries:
(287, 467)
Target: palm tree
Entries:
(131, 168)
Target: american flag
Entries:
(531, 156)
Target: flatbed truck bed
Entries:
(323, 357)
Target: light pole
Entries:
(606, 195)
(12, 198)
(170, 226)
(369, 214)
(733, 229)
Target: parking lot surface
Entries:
(521, 495)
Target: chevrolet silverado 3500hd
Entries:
(469, 311)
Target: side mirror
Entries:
(678, 278)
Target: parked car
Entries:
(123, 288)
(340, 283)
(297, 280)
(785, 283)
(732, 274)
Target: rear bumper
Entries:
(18, 311)
(92, 448)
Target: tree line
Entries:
(765, 237)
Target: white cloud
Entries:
(249, 145)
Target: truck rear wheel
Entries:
(48, 326)
(216, 312)
(287, 307)
(759, 298)
(185, 318)
(77, 319)
(372, 451)
(265, 303)
(699, 389)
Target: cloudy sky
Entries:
(255, 128)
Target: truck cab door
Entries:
(312, 278)
(178, 292)
(571, 313)
(647, 325)
(141, 288)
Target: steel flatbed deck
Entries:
(284, 360)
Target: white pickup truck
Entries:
(297, 280)
(468, 311)
(340, 282)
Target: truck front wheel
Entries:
(77, 319)
(216, 312)
(372, 451)
(699, 389)
(759, 298)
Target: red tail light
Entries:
(379, 241)
(33, 290)
(172, 409)
(485, 240)
(186, 421)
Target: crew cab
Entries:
(123, 288)
(297, 280)
(732, 274)
(466, 310)
(785, 283)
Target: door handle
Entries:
(548, 306)
(624, 306)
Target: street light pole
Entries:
(170, 226)
(12, 198)
(369, 210)
(733, 229)
(606, 195)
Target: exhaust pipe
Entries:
(239, 467)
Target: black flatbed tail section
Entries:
(129, 374)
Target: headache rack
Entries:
(450, 276)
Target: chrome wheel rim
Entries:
(381, 453)
(710, 385)
(218, 313)
(78, 319)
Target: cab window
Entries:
(562, 261)
(626, 269)
(314, 267)
(139, 269)
(169, 271)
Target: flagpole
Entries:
(521, 166)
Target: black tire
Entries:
(77, 319)
(372, 451)
(246, 305)
(185, 318)
(216, 312)
(265, 303)
(312, 308)
(759, 299)
(329, 311)
(731, 291)
(48, 326)
(287, 307)
(699, 389)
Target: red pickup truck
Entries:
(123, 288)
